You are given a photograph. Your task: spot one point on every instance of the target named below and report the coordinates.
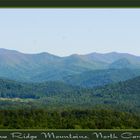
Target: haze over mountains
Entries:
(88, 70)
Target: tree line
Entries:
(68, 119)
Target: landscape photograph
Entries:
(69, 68)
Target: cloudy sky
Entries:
(67, 31)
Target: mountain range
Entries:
(88, 70)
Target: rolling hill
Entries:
(100, 77)
(59, 94)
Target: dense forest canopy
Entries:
(68, 119)
(58, 93)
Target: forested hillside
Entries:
(60, 94)
(101, 77)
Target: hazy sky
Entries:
(67, 31)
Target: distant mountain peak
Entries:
(45, 54)
(3, 50)
(122, 63)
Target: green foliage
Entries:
(67, 119)
(56, 94)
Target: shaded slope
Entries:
(101, 77)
